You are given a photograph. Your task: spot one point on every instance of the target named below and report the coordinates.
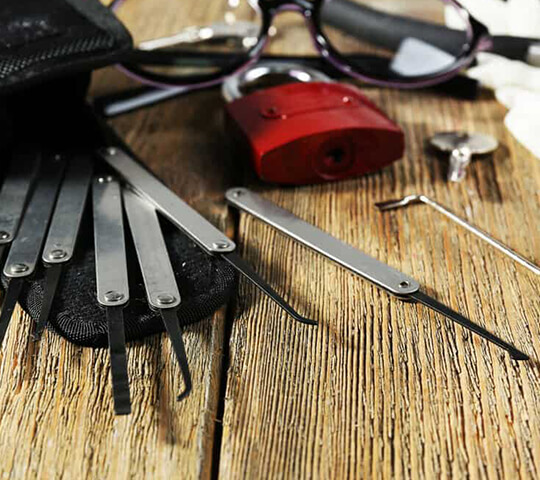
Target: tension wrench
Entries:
(414, 199)
(378, 273)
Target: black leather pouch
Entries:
(44, 39)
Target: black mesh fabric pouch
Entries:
(54, 118)
(205, 283)
(43, 39)
(47, 52)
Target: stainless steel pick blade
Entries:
(468, 324)
(245, 269)
(52, 277)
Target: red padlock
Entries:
(301, 133)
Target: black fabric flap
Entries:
(41, 40)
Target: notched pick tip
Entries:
(123, 410)
(183, 395)
(398, 203)
(307, 321)
(517, 355)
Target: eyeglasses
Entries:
(375, 45)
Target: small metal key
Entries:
(462, 146)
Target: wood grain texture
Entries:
(381, 389)
(57, 416)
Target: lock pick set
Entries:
(100, 251)
(43, 220)
(51, 216)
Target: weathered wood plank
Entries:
(57, 418)
(382, 388)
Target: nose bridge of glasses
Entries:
(272, 8)
(304, 7)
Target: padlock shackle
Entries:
(232, 86)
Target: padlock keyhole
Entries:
(334, 157)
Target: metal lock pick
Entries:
(462, 146)
(112, 280)
(158, 275)
(63, 231)
(414, 199)
(24, 252)
(21, 174)
(380, 274)
(194, 225)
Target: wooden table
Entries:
(381, 389)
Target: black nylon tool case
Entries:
(40, 40)
(48, 50)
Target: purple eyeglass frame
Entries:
(478, 39)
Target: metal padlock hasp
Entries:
(309, 131)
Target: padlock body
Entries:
(303, 133)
